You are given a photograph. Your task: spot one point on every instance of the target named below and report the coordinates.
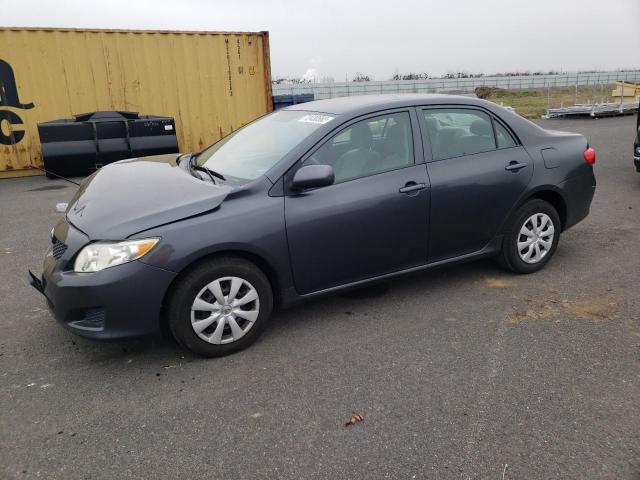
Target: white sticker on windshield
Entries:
(316, 118)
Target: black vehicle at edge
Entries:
(636, 144)
(308, 200)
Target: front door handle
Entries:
(514, 166)
(412, 187)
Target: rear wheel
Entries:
(531, 237)
(220, 307)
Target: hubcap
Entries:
(535, 238)
(225, 310)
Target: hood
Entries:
(130, 196)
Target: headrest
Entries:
(432, 124)
(361, 136)
(481, 128)
(395, 140)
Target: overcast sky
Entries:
(339, 38)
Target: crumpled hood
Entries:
(130, 196)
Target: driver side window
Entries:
(371, 146)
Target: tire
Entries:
(202, 300)
(515, 259)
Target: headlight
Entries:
(638, 150)
(100, 255)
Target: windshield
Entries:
(251, 151)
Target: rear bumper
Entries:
(578, 193)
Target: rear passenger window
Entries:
(503, 137)
(455, 132)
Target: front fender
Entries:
(246, 225)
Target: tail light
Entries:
(590, 156)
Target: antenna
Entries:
(54, 174)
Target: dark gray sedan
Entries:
(308, 200)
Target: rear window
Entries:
(454, 132)
(503, 137)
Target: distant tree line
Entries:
(362, 77)
(410, 76)
(499, 74)
(288, 80)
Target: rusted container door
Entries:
(211, 83)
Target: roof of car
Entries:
(348, 108)
(358, 103)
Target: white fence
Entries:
(434, 85)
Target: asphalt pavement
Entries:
(465, 372)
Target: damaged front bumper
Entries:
(36, 282)
(119, 302)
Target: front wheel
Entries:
(220, 307)
(531, 237)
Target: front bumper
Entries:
(636, 162)
(115, 303)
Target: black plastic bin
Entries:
(86, 142)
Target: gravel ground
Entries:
(458, 372)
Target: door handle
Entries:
(412, 187)
(514, 166)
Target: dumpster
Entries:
(82, 144)
(281, 101)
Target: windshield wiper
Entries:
(211, 172)
(180, 157)
(208, 171)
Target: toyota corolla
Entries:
(308, 200)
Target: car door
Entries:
(374, 219)
(478, 171)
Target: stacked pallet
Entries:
(630, 92)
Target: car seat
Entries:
(353, 163)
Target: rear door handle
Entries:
(412, 187)
(515, 166)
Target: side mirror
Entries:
(313, 176)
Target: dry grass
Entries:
(597, 309)
(533, 103)
(499, 282)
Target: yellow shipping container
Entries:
(211, 82)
